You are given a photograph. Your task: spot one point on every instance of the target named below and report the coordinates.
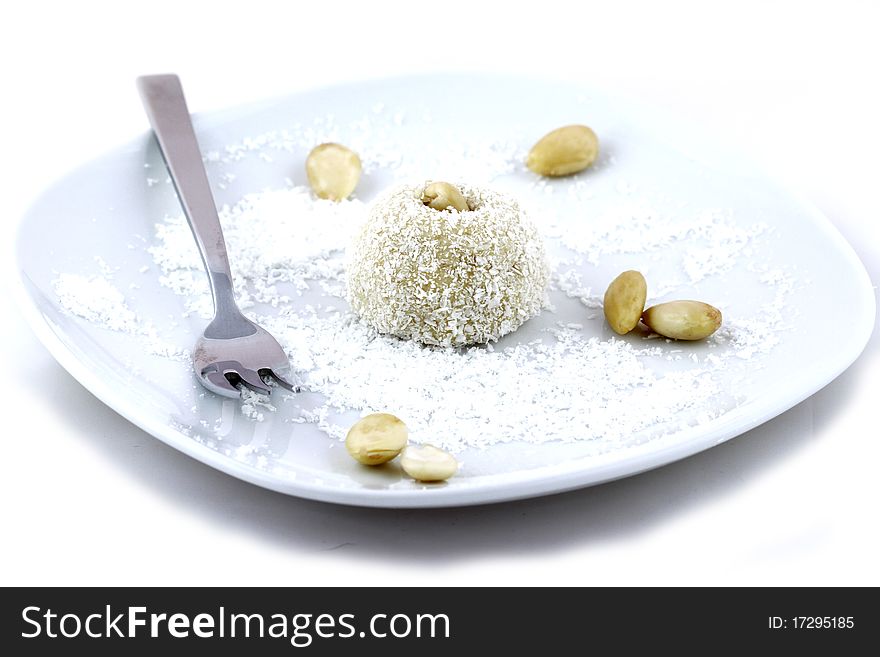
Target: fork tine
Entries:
(218, 383)
(253, 381)
(284, 383)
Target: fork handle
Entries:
(162, 96)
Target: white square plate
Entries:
(101, 217)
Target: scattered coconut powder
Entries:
(97, 300)
(285, 245)
(564, 387)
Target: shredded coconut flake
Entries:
(97, 300)
(447, 278)
(287, 253)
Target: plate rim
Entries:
(544, 480)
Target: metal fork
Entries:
(232, 350)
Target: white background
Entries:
(87, 498)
